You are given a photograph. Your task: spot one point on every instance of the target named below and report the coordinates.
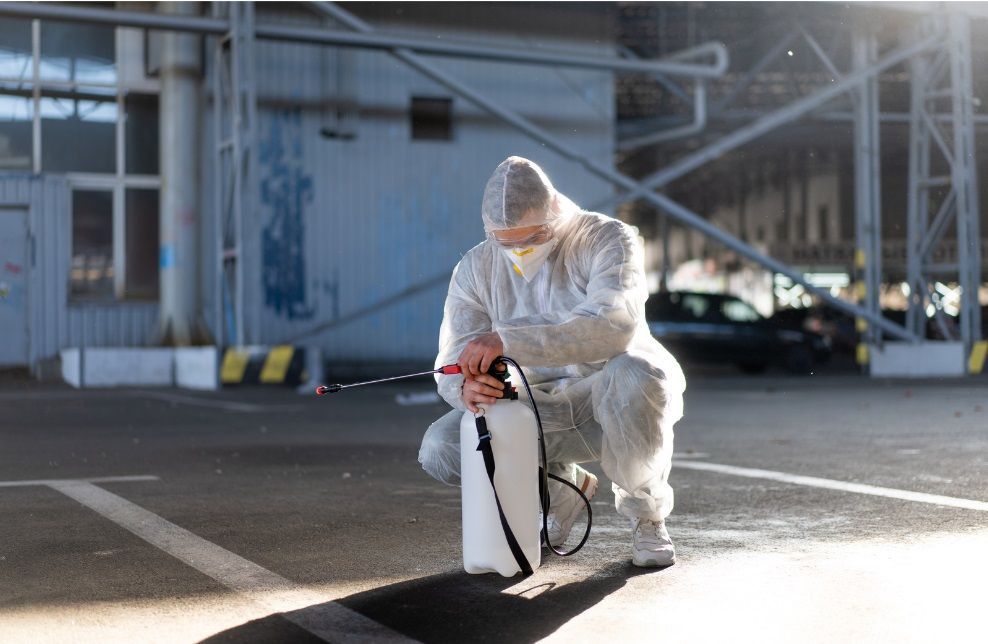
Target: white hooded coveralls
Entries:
(605, 388)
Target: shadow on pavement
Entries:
(459, 607)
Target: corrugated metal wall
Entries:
(361, 231)
(348, 226)
(53, 321)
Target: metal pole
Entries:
(769, 122)
(917, 204)
(671, 207)
(218, 74)
(867, 193)
(179, 208)
(965, 179)
(679, 64)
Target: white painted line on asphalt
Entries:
(228, 405)
(831, 484)
(102, 479)
(313, 612)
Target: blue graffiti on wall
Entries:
(285, 190)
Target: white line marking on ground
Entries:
(229, 405)
(326, 619)
(831, 484)
(102, 479)
(690, 455)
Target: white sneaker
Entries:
(564, 513)
(651, 546)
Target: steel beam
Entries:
(235, 116)
(674, 209)
(765, 124)
(753, 73)
(680, 64)
(965, 178)
(867, 192)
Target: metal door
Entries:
(13, 286)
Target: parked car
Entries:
(827, 321)
(722, 329)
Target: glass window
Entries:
(695, 306)
(15, 48)
(142, 244)
(432, 119)
(738, 311)
(79, 53)
(141, 134)
(16, 114)
(78, 135)
(91, 273)
(824, 220)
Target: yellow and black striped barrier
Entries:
(262, 365)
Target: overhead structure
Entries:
(943, 188)
(944, 243)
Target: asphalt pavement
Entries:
(819, 509)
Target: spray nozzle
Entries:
(499, 369)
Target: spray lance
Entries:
(507, 421)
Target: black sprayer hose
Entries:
(544, 484)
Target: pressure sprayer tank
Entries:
(514, 440)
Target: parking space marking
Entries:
(101, 479)
(325, 619)
(227, 405)
(831, 484)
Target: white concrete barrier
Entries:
(197, 368)
(71, 369)
(118, 366)
(922, 360)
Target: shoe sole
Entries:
(652, 562)
(588, 490)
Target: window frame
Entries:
(118, 181)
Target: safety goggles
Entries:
(510, 238)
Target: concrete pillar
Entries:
(179, 275)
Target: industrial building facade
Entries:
(369, 178)
(309, 173)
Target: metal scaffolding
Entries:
(234, 169)
(943, 185)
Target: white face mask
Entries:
(528, 261)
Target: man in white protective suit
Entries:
(562, 291)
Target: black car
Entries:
(704, 327)
(836, 326)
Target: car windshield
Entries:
(738, 311)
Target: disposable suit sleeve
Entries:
(604, 324)
(464, 319)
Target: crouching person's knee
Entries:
(631, 369)
(440, 451)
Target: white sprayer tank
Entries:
(514, 440)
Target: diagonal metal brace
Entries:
(674, 209)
